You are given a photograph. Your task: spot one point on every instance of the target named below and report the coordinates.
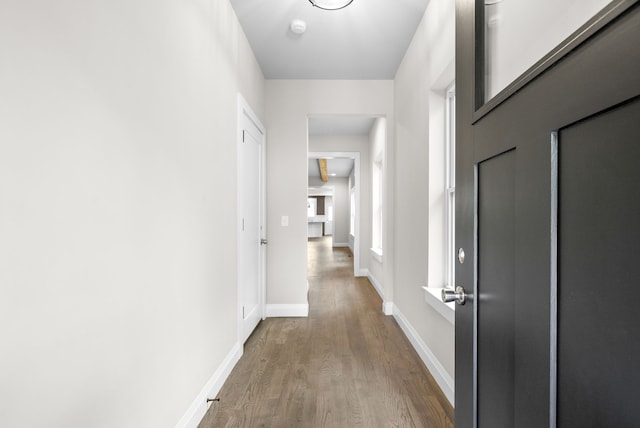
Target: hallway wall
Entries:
(426, 71)
(341, 211)
(288, 105)
(118, 206)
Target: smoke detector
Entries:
(298, 26)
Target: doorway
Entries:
(334, 204)
(342, 141)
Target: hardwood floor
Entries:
(346, 365)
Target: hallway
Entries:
(346, 365)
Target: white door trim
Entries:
(245, 111)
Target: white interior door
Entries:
(251, 233)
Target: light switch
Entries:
(285, 221)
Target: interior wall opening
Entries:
(340, 184)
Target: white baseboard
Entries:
(199, 407)
(275, 311)
(387, 308)
(341, 244)
(444, 380)
(376, 284)
(363, 272)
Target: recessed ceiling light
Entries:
(330, 4)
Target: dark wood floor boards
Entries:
(346, 365)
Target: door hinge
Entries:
(243, 224)
(243, 135)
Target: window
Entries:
(377, 143)
(376, 203)
(352, 211)
(441, 187)
(509, 25)
(450, 184)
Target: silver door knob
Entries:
(459, 296)
(263, 242)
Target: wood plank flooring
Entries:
(346, 365)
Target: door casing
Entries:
(247, 116)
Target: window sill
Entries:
(433, 297)
(377, 254)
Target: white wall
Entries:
(117, 220)
(288, 105)
(426, 70)
(341, 212)
(329, 207)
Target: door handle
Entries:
(459, 295)
(263, 242)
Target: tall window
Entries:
(377, 143)
(450, 183)
(377, 181)
(352, 211)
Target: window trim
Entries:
(377, 206)
(433, 294)
(450, 184)
(352, 211)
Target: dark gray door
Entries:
(548, 214)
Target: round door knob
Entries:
(458, 295)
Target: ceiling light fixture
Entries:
(330, 4)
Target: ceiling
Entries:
(366, 40)
(341, 167)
